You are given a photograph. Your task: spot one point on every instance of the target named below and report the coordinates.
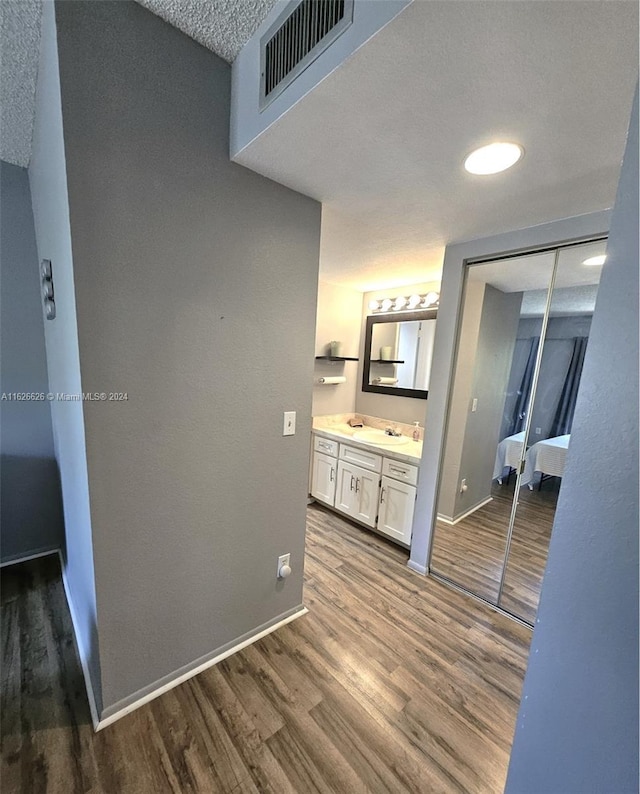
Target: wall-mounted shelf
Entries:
(385, 361)
(335, 358)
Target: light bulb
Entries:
(493, 158)
(595, 260)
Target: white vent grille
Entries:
(296, 39)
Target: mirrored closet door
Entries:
(521, 341)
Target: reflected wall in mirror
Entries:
(397, 353)
(521, 342)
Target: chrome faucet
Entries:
(391, 432)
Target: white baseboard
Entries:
(93, 708)
(466, 514)
(117, 711)
(415, 566)
(16, 560)
(135, 701)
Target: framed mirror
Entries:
(397, 353)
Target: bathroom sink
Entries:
(379, 437)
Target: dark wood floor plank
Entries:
(391, 683)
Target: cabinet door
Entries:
(365, 507)
(323, 481)
(397, 502)
(345, 488)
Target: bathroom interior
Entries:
(521, 340)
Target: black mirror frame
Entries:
(374, 319)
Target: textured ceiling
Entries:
(575, 287)
(19, 47)
(223, 26)
(381, 140)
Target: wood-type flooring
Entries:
(392, 683)
(471, 552)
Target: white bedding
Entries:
(546, 456)
(508, 454)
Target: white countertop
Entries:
(409, 452)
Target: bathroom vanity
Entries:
(367, 476)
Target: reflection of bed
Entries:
(547, 457)
(508, 454)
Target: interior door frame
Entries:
(536, 239)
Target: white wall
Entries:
(338, 318)
(47, 175)
(577, 729)
(247, 121)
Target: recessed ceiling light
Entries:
(493, 158)
(595, 260)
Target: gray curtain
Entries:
(567, 402)
(524, 392)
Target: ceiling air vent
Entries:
(296, 39)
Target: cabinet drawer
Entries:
(404, 472)
(361, 458)
(325, 445)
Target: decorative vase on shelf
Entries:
(335, 348)
(385, 353)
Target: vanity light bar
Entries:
(405, 303)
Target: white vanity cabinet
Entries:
(395, 516)
(358, 484)
(324, 470)
(357, 493)
(373, 489)
(397, 500)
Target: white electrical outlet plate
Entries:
(283, 559)
(474, 405)
(538, 431)
(289, 427)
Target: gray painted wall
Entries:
(196, 287)
(460, 396)
(556, 357)
(47, 176)
(496, 340)
(31, 506)
(577, 730)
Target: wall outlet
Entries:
(538, 431)
(289, 427)
(474, 405)
(284, 566)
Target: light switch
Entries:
(474, 405)
(289, 428)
